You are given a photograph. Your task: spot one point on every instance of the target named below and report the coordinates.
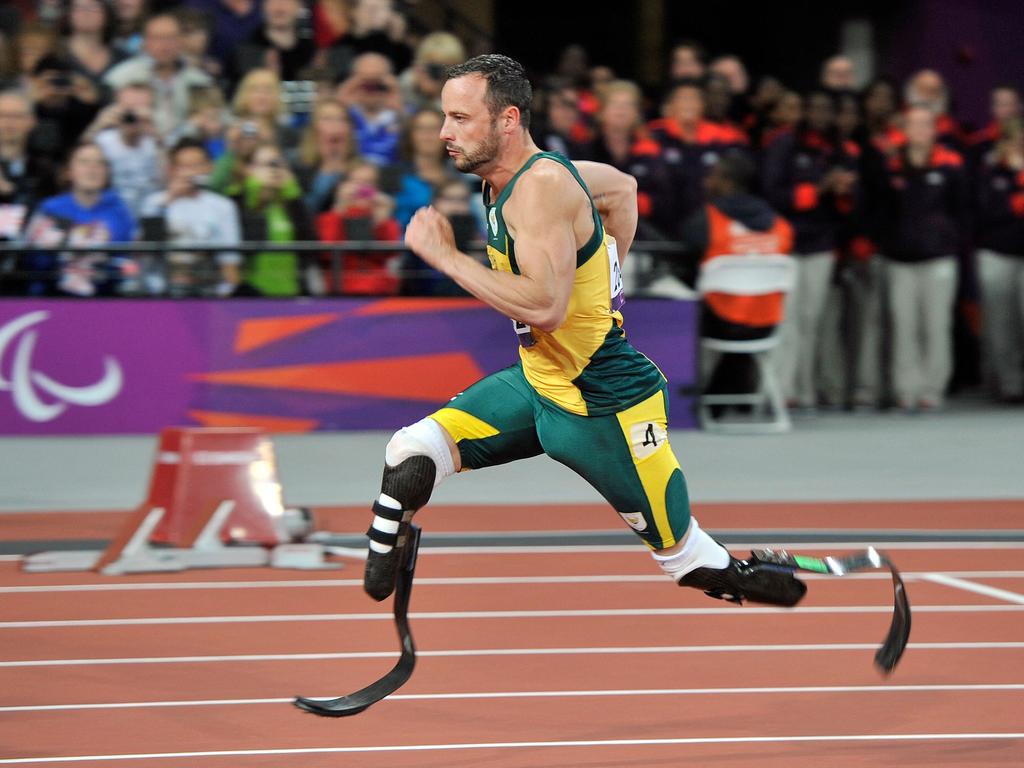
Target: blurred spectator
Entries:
(362, 212)
(1005, 106)
(377, 27)
(1000, 239)
(88, 214)
(242, 138)
(925, 214)
(927, 89)
(331, 21)
(33, 42)
(810, 176)
(690, 145)
(207, 121)
(734, 222)
(232, 21)
(421, 83)
(195, 41)
(837, 73)
(622, 143)
(131, 149)
(65, 101)
(732, 69)
(686, 62)
(765, 96)
(561, 128)
(187, 212)
(258, 99)
(600, 78)
(26, 176)
(452, 199)
(88, 32)
(328, 147)
(163, 67)
(283, 43)
(718, 99)
(130, 16)
(374, 102)
(783, 118)
(424, 164)
(574, 71)
(271, 207)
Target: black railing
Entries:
(650, 254)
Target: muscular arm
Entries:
(540, 216)
(614, 195)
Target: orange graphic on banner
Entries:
(268, 423)
(429, 378)
(258, 332)
(411, 306)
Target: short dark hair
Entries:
(507, 84)
(187, 143)
(738, 169)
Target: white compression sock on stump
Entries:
(699, 551)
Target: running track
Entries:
(578, 657)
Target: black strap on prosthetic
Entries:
(410, 483)
(356, 702)
(382, 537)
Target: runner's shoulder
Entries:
(546, 185)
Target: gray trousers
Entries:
(921, 297)
(1002, 297)
(795, 359)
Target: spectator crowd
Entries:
(224, 121)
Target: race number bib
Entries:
(525, 334)
(615, 277)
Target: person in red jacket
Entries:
(691, 144)
(1000, 240)
(361, 212)
(924, 229)
(810, 176)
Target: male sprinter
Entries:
(580, 392)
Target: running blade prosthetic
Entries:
(355, 703)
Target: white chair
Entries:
(748, 275)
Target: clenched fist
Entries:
(430, 236)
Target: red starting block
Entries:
(214, 501)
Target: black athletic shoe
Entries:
(742, 580)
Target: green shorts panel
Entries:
(626, 456)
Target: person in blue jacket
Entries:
(89, 213)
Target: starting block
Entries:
(214, 501)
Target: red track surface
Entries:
(656, 676)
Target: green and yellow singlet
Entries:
(586, 366)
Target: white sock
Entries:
(699, 551)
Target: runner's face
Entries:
(469, 131)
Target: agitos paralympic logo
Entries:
(39, 397)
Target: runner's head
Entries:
(486, 100)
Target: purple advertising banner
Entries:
(125, 366)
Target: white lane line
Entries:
(979, 589)
(446, 615)
(427, 581)
(802, 689)
(860, 737)
(350, 655)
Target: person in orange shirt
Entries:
(734, 222)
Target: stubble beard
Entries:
(487, 151)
